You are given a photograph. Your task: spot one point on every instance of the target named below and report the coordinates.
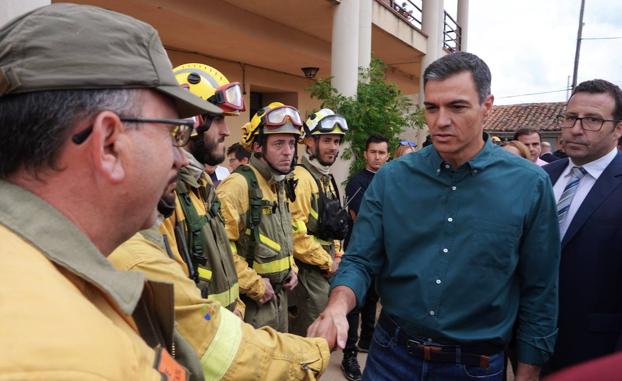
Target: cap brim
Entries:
(188, 104)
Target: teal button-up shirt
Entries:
(461, 255)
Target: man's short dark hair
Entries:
(239, 151)
(526, 131)
(34, 126)
(459, 62)
(600, 86)
(376, 138)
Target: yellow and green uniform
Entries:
(228, 348)
(264, 252)
(314, 257)
(67, 314)
(196, 230)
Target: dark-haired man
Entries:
(533, 141)
(376, 154)
(588, 190)
(462, 241)
(237, 155)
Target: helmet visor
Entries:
(280, 115)
(229, 97)
(330, 123)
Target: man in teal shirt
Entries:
(463, 239)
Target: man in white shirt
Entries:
(588, 191)
(533, 141)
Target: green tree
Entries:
(378, 108)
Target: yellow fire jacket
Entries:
(275, 249)
(198, 222)
(229, 348)
(307, 247)
(65, 313)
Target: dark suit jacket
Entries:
(590, 276)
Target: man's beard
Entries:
(324, 163)
(207, 154)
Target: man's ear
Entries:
(109, 146)
(256, 147)
(488, 104)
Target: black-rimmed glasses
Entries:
(180, 131)
(588, 123)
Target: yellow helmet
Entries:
(275, 118)
(325, 122)
(211, 85)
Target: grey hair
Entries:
(459, 62)
(35, 126)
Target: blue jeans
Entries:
(387, 360)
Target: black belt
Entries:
(471, 354)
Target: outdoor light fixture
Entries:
(310, 72)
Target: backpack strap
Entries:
(194, 225)
(256, 203)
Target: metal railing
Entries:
(408, 10)
(452, 32)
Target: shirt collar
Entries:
(478, 163)
(45, 228)
(593, 168)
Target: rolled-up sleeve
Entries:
(365, 253)
(538, 271)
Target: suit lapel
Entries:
(555, 169)
(606, 183)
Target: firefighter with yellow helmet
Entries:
(255, 204)
(227, 347)
(318, 219)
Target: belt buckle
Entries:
(424, 347)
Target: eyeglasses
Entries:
(180, 131)
(408, 143)
(588, 123)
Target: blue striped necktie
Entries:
(568, 194)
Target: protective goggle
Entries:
(281, 115)
(329, 123)
(229, 97)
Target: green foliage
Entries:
(378, 108)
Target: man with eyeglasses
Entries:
(255, 205)
(588, 190)
(85, 140)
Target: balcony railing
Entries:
(412, 12)
(452, 32)
(408, 10)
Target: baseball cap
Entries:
(81, 47)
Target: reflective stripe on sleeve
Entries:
(234, 248)
(274, 266)
(299, 226)
(224, 346)
(227, 297)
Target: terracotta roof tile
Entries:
(509, 118)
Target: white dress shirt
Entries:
(594, 169)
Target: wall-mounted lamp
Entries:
(310, 72)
